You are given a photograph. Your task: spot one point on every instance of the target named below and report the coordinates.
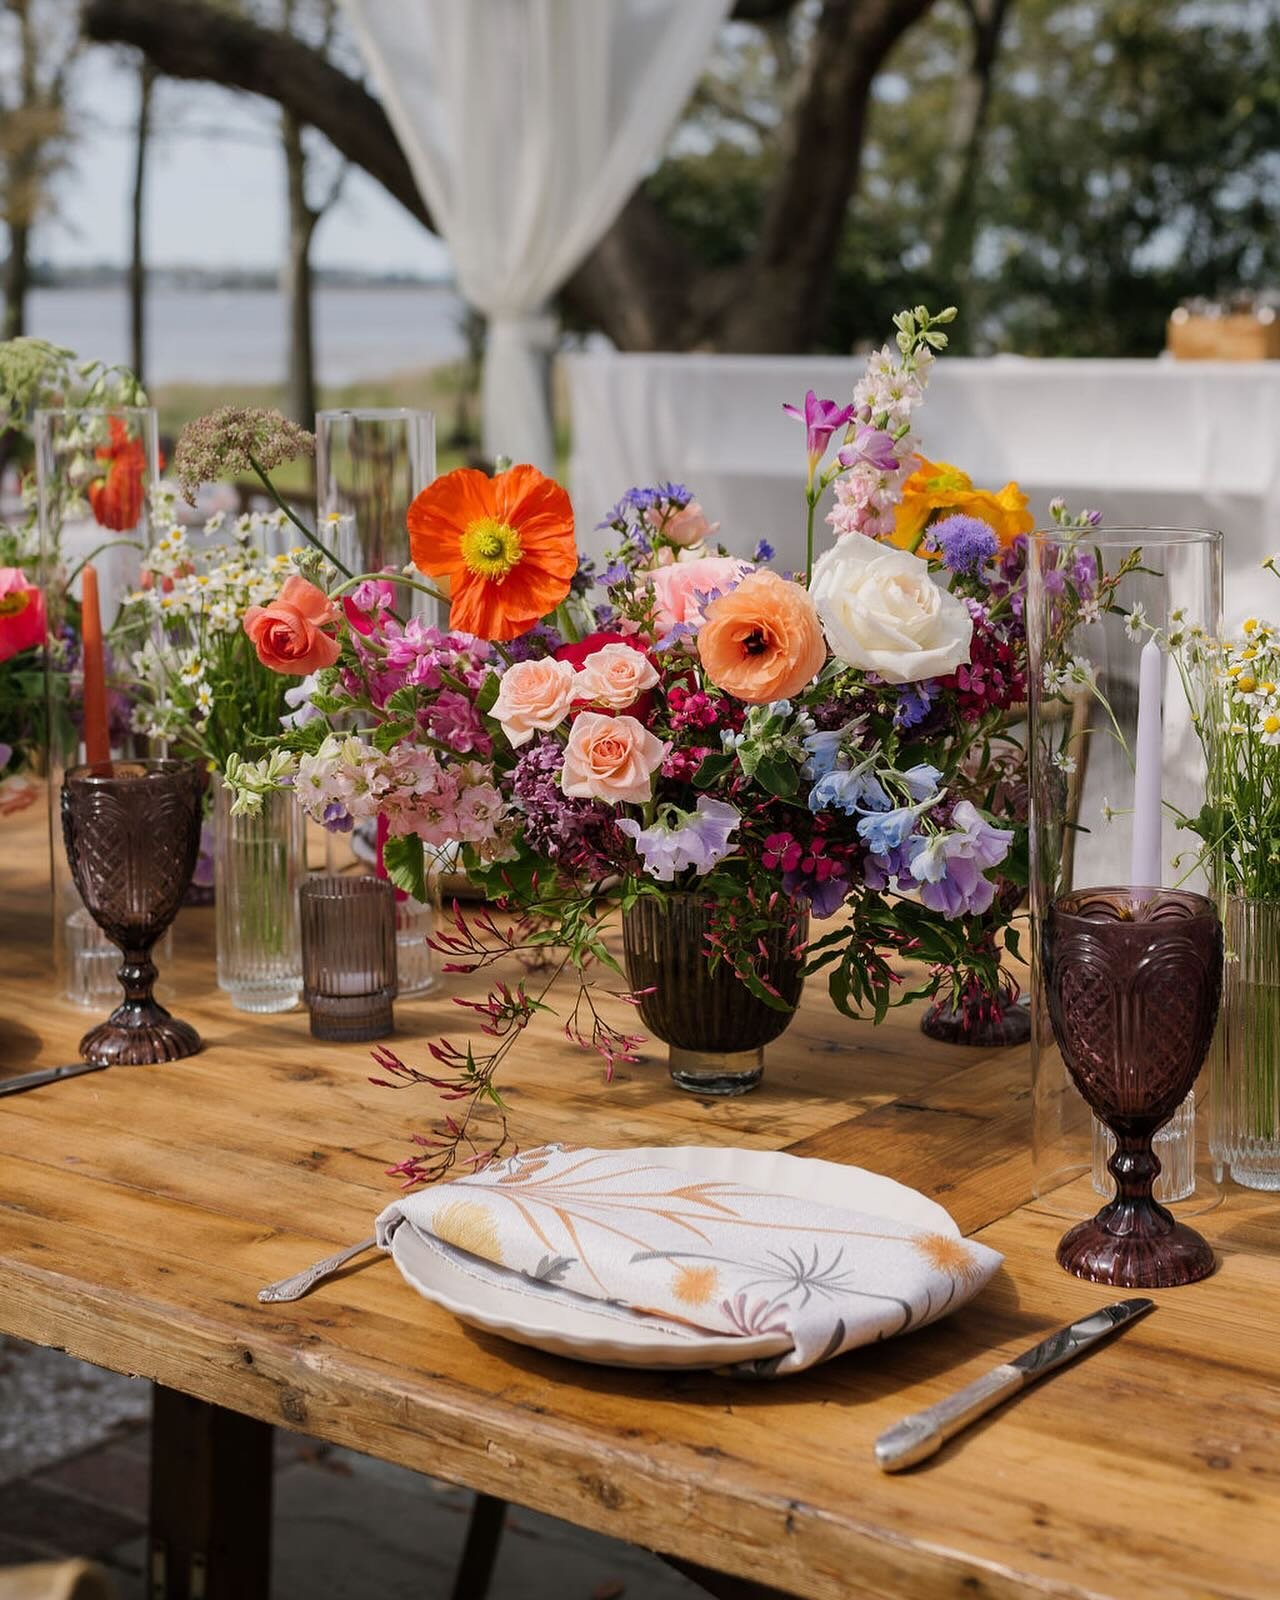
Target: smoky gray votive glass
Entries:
(349, 956)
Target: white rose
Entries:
(882, 611)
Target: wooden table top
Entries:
(141, 1208)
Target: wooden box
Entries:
(1239, 336)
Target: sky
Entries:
(216, 186)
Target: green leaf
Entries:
(778, 776)
(389, 734)
(403, 859)
(713, 768)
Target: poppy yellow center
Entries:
(491, 548)
(15, 601)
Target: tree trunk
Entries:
(301, 392)
(17, 280)
(970, 108)
(137, 258)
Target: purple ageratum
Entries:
(949, 867)
(966, 543)
(821, 419)
(699, 840)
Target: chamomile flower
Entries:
(1269, 729)
(1064, 762)
(1136, 622)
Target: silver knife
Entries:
(33, 1080)
(918, 1436)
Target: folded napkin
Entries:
(697, 1257)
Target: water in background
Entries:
(239, 335)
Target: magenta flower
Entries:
(366, 603)
(821, 419)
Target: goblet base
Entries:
(138, 1036)
(1153, 1252)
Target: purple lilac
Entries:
(580, 835)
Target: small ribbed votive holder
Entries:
(348, 956)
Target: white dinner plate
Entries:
(587, 1330)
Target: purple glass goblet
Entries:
(132, 831)
(1133, 978)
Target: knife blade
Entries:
(33, 1080)
(918, 1436)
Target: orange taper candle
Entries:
(97, 741)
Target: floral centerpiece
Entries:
(771, 747)
(39, 621)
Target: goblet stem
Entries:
(137, 977)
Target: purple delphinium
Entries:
(699, 840)
(914, 704)
(579, 835)
(764, 552)
(966, 543)
(540, 640)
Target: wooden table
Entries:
(140, 1209)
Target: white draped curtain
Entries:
(527, 124)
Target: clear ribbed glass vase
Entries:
(259, 862)
(1245, 1136)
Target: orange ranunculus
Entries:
(505, 544)
(287, 634)
(21, 613)
(937, 489)
(762, 641)
(116, 497)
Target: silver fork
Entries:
(303, 1282)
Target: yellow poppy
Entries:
(936, 488)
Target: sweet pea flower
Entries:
(949, 867)
(366, 603)
(681, 839)
(872, 446)
(821, 419)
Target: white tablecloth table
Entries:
(1146, 442)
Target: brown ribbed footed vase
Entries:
(714, 1028)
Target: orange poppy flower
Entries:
(937, 489)
(504, 543)
(116, 497)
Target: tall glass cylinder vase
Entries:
(1119, 627)
(95, 470)
(259, 862)
(369, 466)
(1246, 1064)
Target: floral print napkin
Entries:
(698, 1257)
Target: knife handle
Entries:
(918, 1436)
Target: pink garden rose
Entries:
(615, 676)
(686, 527)
(534, 696)
(676, 588)
(611, 759)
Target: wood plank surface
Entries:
(140, 1209)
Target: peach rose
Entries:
(534, 696)
(763, 641)
(611, 759)
(676, 588)
(287, 633)
(616, 676)
(686, 527)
